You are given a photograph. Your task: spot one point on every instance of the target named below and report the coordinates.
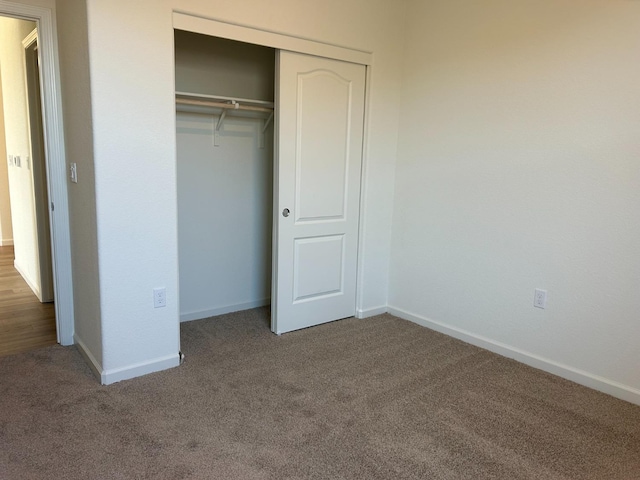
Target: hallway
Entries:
(25, 323)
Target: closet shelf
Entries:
(190, 102)
(220, 102)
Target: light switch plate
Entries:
(73, 172)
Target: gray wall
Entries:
(209, 65)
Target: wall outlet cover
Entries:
(159, 297)
(540, 298)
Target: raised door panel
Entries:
(319, 125)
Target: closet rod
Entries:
(229, 106)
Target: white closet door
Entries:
(320, 117)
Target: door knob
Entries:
(285, 212)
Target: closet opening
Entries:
(224, 143)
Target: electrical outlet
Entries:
(159, 297)
(540, 298)
(16, 161)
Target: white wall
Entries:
(76, 103)
(224, 215)
(224, 192)
(16, 121)
(517, 169)
(132, 90)
(6, 231)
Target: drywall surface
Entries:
(16, 122)
(6, 231)
(71, 16)
(203, 64)
(518, 169)
(224, 214)
(132, 90)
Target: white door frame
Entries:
(217, 28)
(38, 167)
(55, 160)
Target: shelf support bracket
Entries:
(216, 130)
(264, 129)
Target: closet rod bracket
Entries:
(264, 129)
(221, 120)
(267, 122)
(216, 130)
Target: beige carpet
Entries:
(356, 399)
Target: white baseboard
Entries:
(32, 285)
(187, 317)
(107, 377)
(587, 379)
(137, 370)
(6, 242)
(370, 312)
(93, 363)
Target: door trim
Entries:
(38, 167)
(55, 160)
(217, 28)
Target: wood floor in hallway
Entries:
(25, 323)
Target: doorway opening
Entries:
(56, 171)
(27, 307)
(224, 133)
(319, 106)
(315, 192)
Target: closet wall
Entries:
(225, 191)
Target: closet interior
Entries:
(224, 137)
